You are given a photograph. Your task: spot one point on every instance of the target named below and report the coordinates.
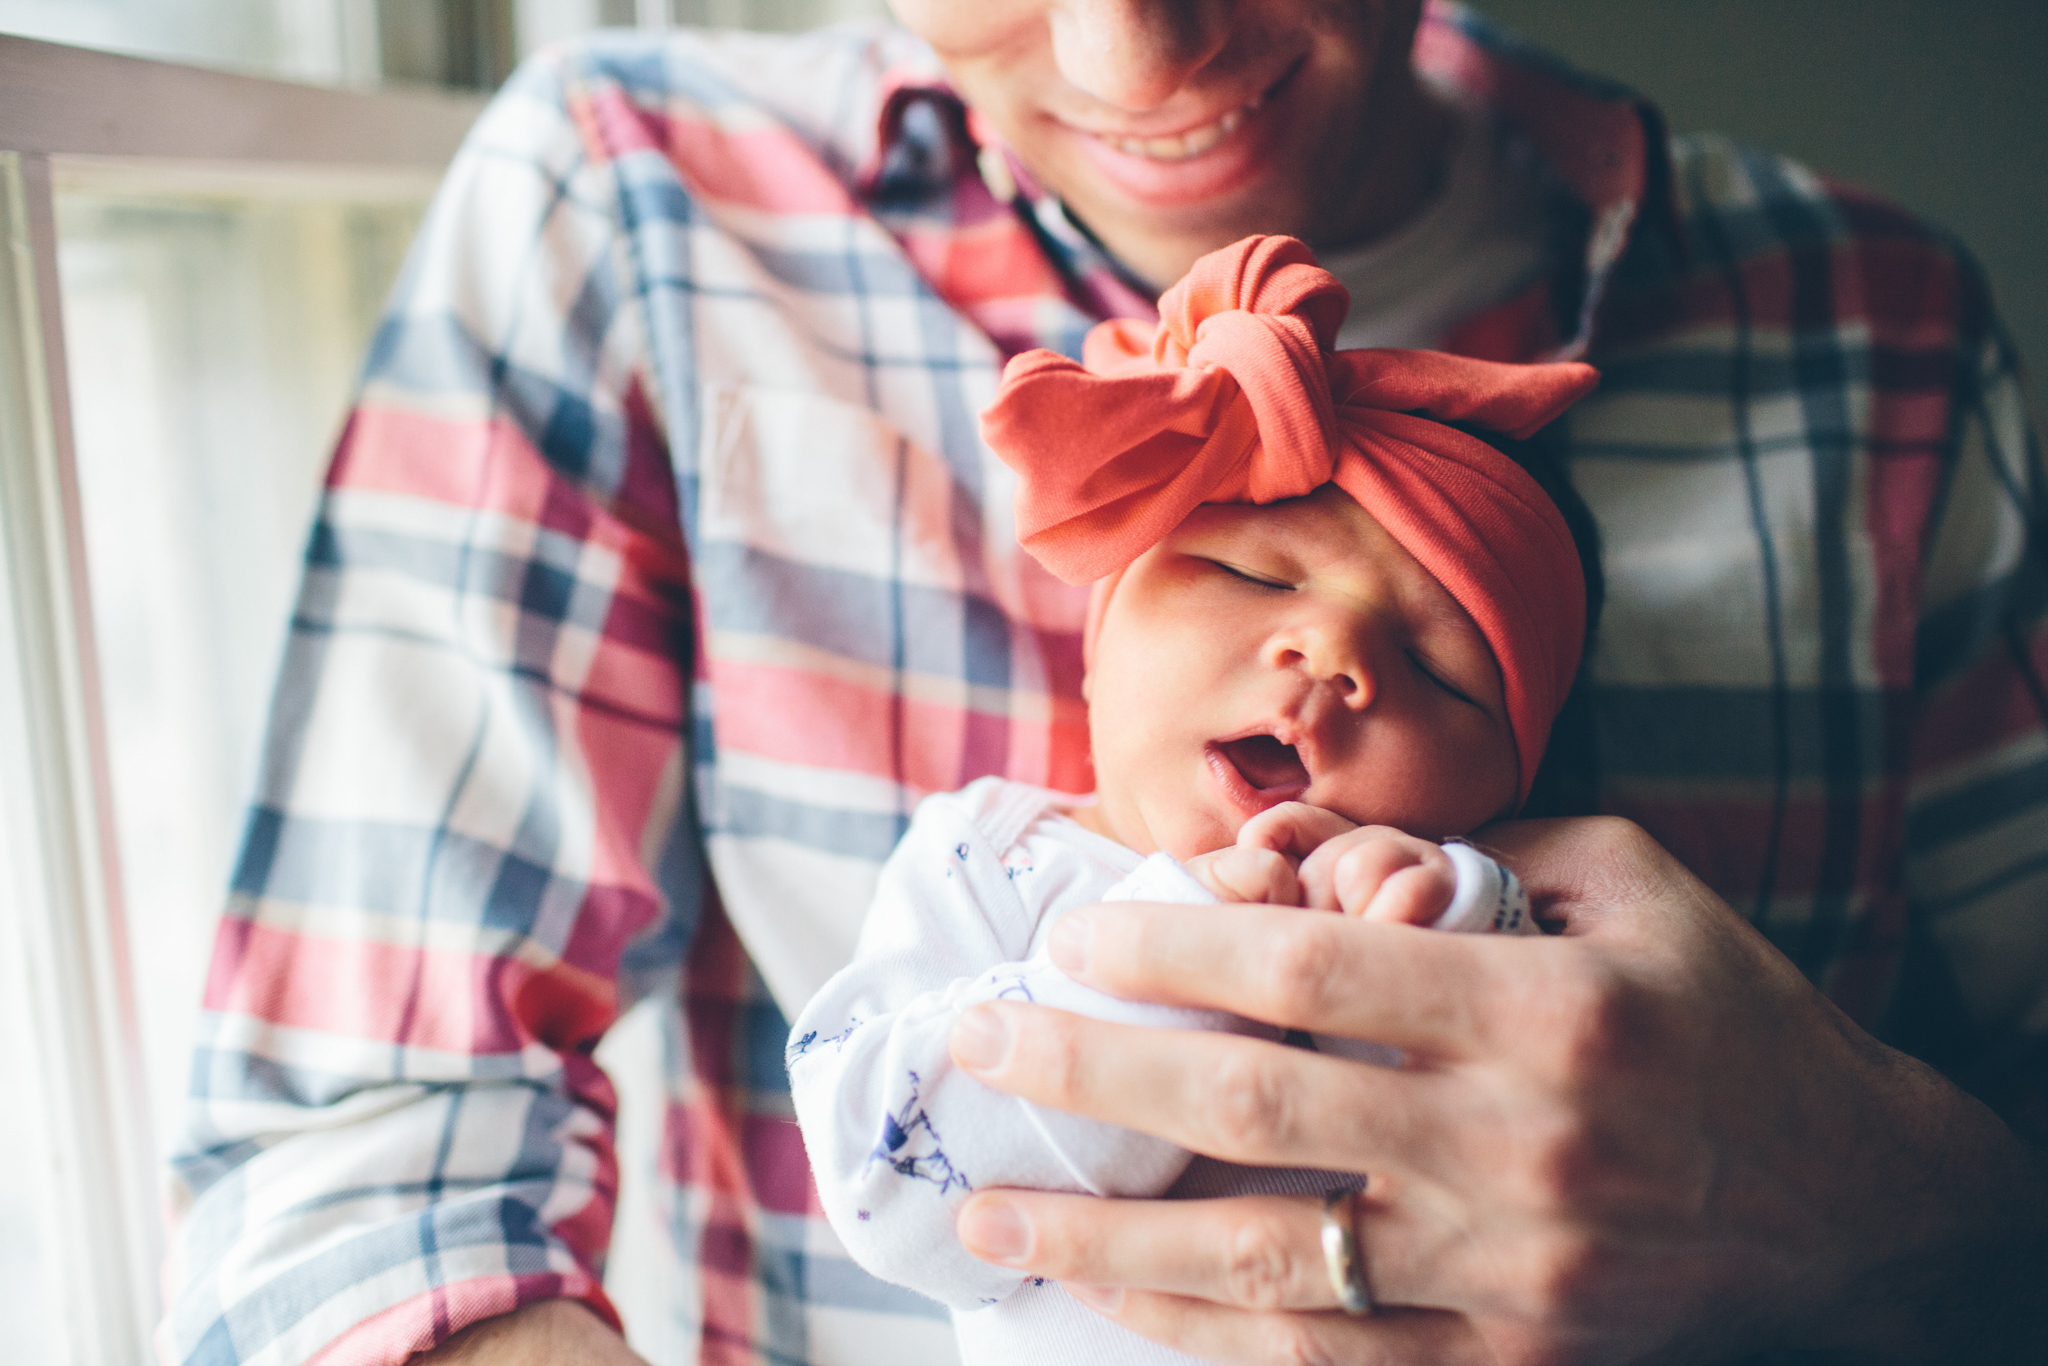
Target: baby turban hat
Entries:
(1235, 396)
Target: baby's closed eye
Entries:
(1441, 678)
(1252, 576)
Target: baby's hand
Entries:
(1377, 873)
(1262, 866)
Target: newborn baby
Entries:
(1328, 632)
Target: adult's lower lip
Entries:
(1239, 791)
(1229, 165)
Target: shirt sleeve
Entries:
(898, 1137)
(467, 811)
(1973, 996)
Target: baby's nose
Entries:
(1336, 652)
(1346, 673)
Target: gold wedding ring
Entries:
(1342, 1256)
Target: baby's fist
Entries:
(1378, 873)
(1262, 866)
(1239, 872)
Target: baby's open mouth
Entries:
(1265, 763)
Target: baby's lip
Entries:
(1260, 768)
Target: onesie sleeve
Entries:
(897, 1136)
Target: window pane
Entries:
(214, 341)
(27, 1234)
(467, 43)
(333, 41)
(788, 16)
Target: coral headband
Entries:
(1236, 397)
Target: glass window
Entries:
(214, 336)
(28, 1279)
(331, 41)
(466, 43)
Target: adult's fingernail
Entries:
(981, 1039)
(995, 1231)
(1103, 1299)
(1070, 940)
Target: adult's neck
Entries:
(1404, 164)
(1397, 167)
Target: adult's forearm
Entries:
(549, 1333)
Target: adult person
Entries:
(670, 437)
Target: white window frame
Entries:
(66, 110)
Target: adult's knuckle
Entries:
(1559, 1164)
(1057, 1057)
(1248, 1107)
(1625, 859)
(1261, 1269)
(1591, 1021)
(1299, 960)
(1616, 837)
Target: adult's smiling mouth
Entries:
(1258, 771)
(1191, 142)
(1192, 164)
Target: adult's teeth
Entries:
(1190, 144)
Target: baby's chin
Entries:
(1127, 820)
(1191, 836)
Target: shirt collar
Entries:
(1605, 144)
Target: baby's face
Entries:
(1293, 652)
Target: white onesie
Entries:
(898, 1136)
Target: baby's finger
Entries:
(1367, 857)
(1258, 876)
(1293, 828)
(1415, 895)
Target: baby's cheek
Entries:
(1427, 793)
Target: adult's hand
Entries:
(545, 1333)
(1648, 1138)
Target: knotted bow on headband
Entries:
(1236, 397)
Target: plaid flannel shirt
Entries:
(661, 570)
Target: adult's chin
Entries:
(1160, 239)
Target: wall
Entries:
(1942, 106)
